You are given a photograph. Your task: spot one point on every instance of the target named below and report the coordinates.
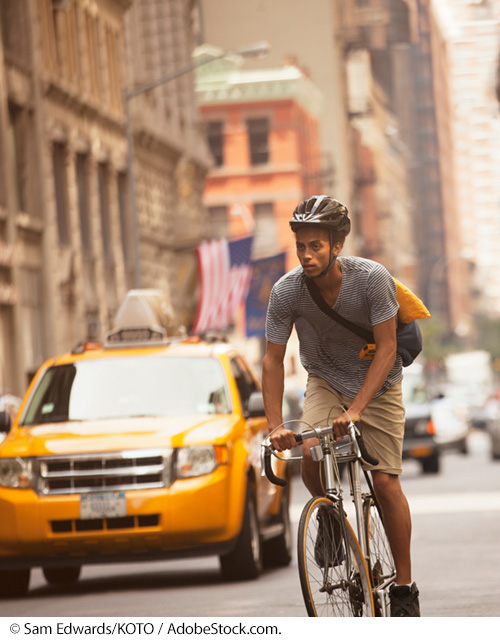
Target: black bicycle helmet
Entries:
(324, 211)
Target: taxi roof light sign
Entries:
(145, 317)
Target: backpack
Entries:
(408, 334)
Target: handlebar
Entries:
(354, 435)
(268, 469)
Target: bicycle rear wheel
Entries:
(333, 573)
(382, 568)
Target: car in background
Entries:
(494, 434)
(9, 408)
(419, 440)
(451, 423)
(145, 447)
(492, 410)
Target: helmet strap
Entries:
(333, 258)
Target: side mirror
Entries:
(255, 406)
(5, 422)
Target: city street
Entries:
(456, 559)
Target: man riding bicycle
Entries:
(341, 384)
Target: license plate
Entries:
(103, 505)
(421, 451)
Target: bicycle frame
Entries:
(328, 454)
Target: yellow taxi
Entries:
(144, 447)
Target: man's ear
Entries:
(337, 247)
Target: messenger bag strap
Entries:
(365, 334)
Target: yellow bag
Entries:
(410, 306)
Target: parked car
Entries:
(9, 407)
(492, 409)
(451, 423)
(145, 447)
(494, 434)
(419, 439)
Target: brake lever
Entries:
(267, 469)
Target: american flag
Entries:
(225, 271)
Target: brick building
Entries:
(262, 129)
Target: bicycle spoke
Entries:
(333, 578)
(381, 560)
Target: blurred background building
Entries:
(262, 130)
(107, 185)
(68, 239)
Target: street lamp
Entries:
(256, 50)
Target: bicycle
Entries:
(342, 572)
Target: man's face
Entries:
(313, 249)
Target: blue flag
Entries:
(265, 272)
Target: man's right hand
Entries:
(283, 439)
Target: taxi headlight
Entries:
(196, 461)
(16, 472)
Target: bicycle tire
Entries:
(381, 562)
(342, 589)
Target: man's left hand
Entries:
(341, 423)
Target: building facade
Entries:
(377, 38)
(171, 156)
(465, 37)
(66, 232)
(262, 129)
(310, 33)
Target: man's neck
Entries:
(329, 284)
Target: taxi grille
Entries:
(98, 525)
(129, 470)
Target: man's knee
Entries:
(310, 471)
(309, 466)
(386, 484)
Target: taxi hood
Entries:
(117, 434)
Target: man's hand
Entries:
(283, 439)
(341, 424)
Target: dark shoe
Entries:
(404, 601)
(328, 551)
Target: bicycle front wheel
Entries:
(382, 568)
(332, 570)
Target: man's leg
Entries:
(322, 404)
(397, 521)
(310, 470)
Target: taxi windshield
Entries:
(127, 387)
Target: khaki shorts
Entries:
(382, 423)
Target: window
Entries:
(13, 25)
(102, 173)
(93, 56)
(113, 69)
(66, 40)
(215, 138)
(31, 307)
(135, 386)
(18, 150)
(93, 325)
(61, 191)
(123, 213)
(244, 380)
(83, 203)
(266, 233)
(258, 140)
(219, 223)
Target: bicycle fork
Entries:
(352, 586)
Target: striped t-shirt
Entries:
(367, 297)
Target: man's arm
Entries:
(273, 383)
(383, 361)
